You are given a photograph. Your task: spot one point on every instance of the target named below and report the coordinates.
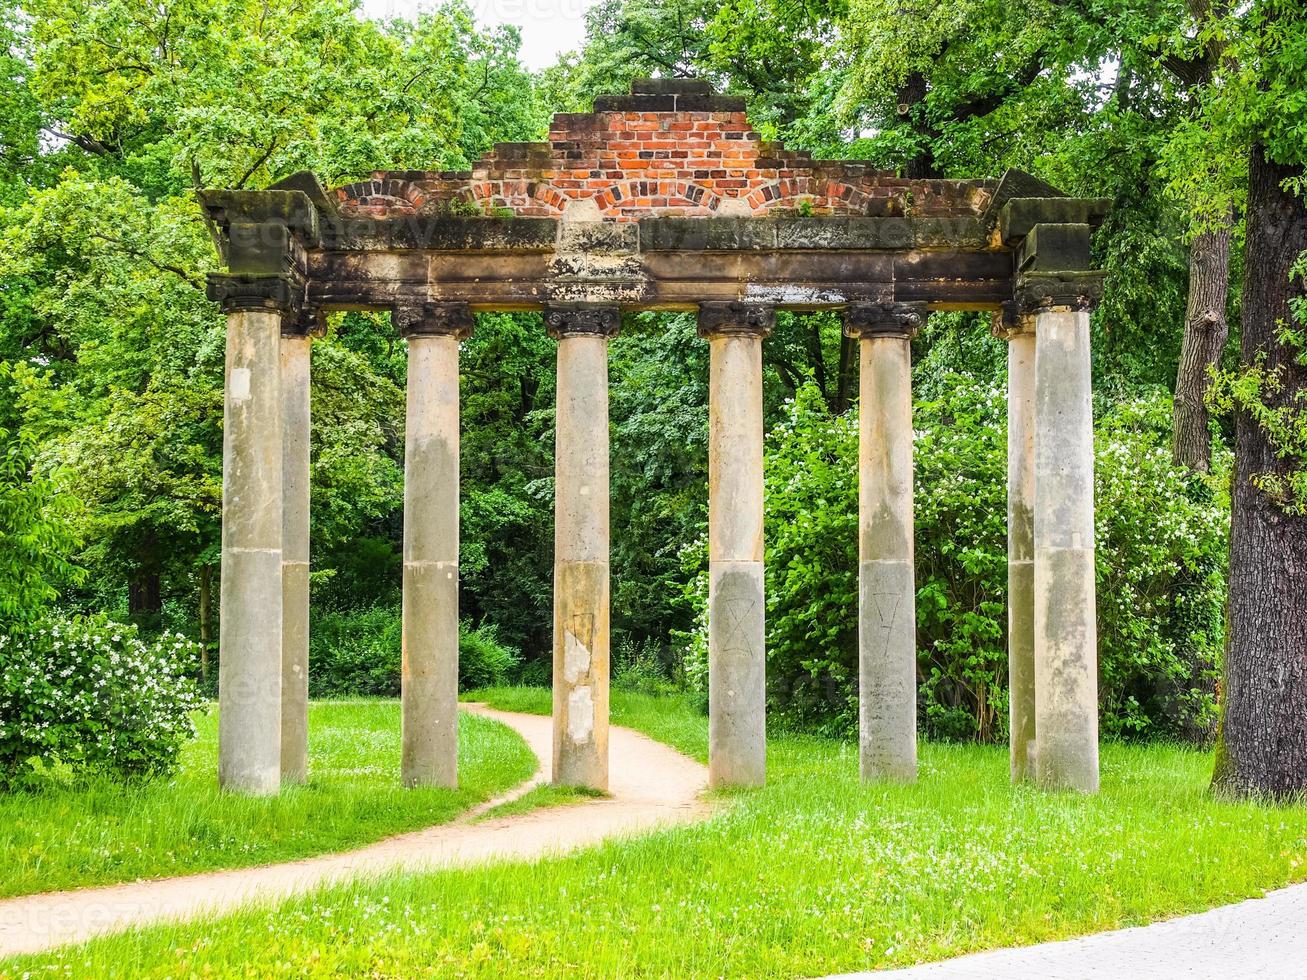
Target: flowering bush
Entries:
(90, 695)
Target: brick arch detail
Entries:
(825, 195)
(526, 198)
(656, 194)
(391, 193)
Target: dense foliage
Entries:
(88, 695)
(1161, 552)
(358, 653)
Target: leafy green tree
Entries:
(37, 513)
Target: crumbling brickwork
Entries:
(672, 147)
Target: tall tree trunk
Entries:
(848, 374)
(145, 594)
(1262, 744)
(817, 358)
(911, 98)
(1205, 333)
(206, 600)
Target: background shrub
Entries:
(1161, 569)
(358, 654)
(88, 695)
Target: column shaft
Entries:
(581, 543)
(295, 354)
(737, 694)
(430, 606)
(1021, 551)
(1065, 629)
(249, 676)
(887, 629)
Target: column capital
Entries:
(867, 320)
(1042, 292)
(308, 321)
(736, 318)
(433, 320)
(580, 320)
(236, 293)
(1008, 322)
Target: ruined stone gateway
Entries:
(660, 199)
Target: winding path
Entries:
(651, 785)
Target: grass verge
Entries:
(546, 795)
(816, 873)
(101, 831)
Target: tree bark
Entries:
(848, 374)
(145, 593)
(1262, 743)
(206, 600)
(1205, 331)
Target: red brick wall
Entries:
(634, 162)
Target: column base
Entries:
(249, 672)
(295, 672)
(1066, 676)
(887, 670)
(581, 674)
(429, 753)
(737, 675)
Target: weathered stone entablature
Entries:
(672, 147)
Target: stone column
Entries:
(1065, 625)
(250, 632)
(1021, 547)
(581, 544)
(737, 660)
(887, 619)
(429, 683)
(295, 347)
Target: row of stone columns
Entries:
(264, 591)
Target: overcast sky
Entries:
(549, 27)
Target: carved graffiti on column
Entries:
(886, 605)
(737, 613)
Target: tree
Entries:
(37, 530)
(1262, 748)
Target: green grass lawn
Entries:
(815, 873)
(107, 832)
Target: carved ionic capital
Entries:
(866, 320)
(736, 318)
(309, 321)
(1008, 322)
(1036, 292)
(283, 294)
(582, 321)
(434, 320)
